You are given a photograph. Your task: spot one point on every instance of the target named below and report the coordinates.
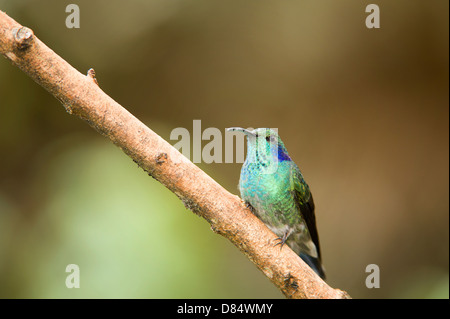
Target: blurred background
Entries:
(363, 112)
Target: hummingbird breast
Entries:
(271, 196)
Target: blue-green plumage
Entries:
(272, 184)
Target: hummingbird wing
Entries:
(305, 202)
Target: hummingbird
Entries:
(274, 189)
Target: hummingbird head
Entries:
(264, 146)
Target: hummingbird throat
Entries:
(266, 152)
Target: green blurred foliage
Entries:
(129, 235)
(363, 112)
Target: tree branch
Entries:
(225, 212)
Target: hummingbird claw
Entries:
(282, 240)
(249, 206)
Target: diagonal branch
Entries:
(225, 212)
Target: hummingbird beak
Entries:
(243, 130)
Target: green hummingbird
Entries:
(274, 189)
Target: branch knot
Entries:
(24, 38)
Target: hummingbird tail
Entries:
(314, 263)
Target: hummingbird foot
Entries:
(249, 206)
(282, 239)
